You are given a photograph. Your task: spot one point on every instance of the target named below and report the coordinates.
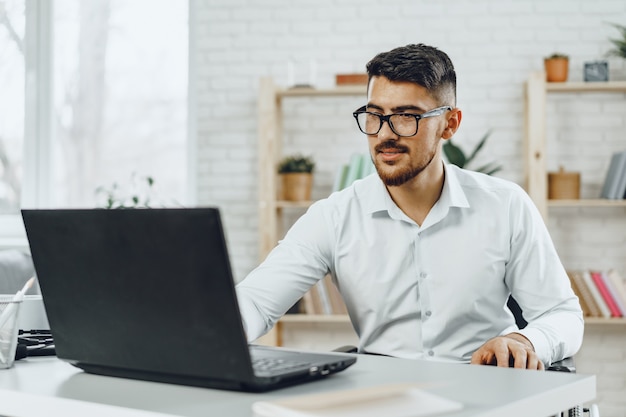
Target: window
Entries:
(11, 103)
(107, 107)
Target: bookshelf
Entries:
(271, 98)
(535, 141)
(535, 151)
(271, 209)
(270, 133)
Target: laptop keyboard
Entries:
(276, 365)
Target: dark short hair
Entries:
(420, 64)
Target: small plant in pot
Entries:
(557, 67)
(296, 173)
(619, 44)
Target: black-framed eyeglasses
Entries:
(402, 124)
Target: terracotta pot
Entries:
(556, 69)
(297, 186)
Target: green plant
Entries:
(456, 156)
(115, 197)
(619, 44)
(296, 163)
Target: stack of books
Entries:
(601, 293)
(359, 166)
(614, 187)
(323, 298)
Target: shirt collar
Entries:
(452, 195)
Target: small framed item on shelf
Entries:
(596, 71)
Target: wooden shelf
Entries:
(596, 202)
(616, 321)
(343, 318)
(315, 318)
(583, 87)
(293, 204)
(352, 90)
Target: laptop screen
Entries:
(140, 289)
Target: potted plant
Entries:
(619, 44)
(140, 194)
(557, 67)
(296, 173)
(456, 156)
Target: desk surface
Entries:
(484, 390)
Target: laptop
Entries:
(149, 294)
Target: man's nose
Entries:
(386, 133)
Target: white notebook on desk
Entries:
(397, 400)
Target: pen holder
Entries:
(9, 311)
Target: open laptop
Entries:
(149, 294)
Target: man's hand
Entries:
(511, 350)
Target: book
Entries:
(602, 306)
(368, 166)
(312, 303)
(324, 297)
(594, 309)
(584, 297)
(337, 304)
(354, 169)
(614, 186)
(596, 276)
(618, 288)
(620, 192)
(340, 178)
(307, 303)
(359, 166)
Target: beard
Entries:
(400, 174)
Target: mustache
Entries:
(390, 145)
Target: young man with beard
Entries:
(425, 254)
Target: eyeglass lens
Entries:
(401, 124)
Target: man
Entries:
(425, 254)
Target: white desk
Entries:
(484, 390)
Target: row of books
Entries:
(359, 166)
(601, 293)
(323, 298)
(614, 187)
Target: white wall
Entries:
(494, 45)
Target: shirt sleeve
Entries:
(540, 285)
(299, 261)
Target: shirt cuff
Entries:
(540, 344)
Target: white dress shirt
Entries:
(436, 290)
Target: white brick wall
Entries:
(494, 45)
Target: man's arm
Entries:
(299, 261)
(541, 287)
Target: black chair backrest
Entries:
(517, 312)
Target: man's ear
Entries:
(454, 121)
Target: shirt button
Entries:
(431, 353)
(423, 274)
(428, 313)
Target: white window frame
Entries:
(38, 119)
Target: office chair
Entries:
(564, 365)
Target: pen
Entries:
(9, 310)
